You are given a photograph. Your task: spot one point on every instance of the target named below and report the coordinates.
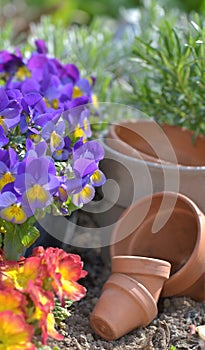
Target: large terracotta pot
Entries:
(144, 158)
(150, 272)
(170, 227)
(147, 140)
(124, 305)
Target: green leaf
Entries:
(30, 236)
(13, 246)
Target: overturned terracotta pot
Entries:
(124, 305)
(150, 272)
(170, 227)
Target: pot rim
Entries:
(141, 265)
(184, 168)
(153, 164)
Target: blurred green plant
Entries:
(169, 83)
(94, 49)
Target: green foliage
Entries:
(61, 313)
(169, 82)
(17, 237)
(93, 49)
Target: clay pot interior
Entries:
(147, 136)
(174, 242)
(124, 305)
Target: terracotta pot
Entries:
(150, 272)
(143, 138)
(154, 227)
(149, 158)
(124, 305)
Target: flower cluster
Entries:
(47, 160)
(27, 291)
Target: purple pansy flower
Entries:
(11, 208)
(54, 133)
(38, 184)
(43, 113)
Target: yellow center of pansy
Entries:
(35, 137)
(59, 152)
(6, 179)
(76, 92)
(96, 177)
(14, 213)
(2, 123)
(79, 132)
(55, 139)
(54, 103)
(23, 73)
(37, 192)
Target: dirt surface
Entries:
(169, 330)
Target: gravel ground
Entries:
(169, 330)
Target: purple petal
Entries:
(7, 199)
(79, 101)
(52, 185)
(3, 139)
(41, 46)
(73, 186)
(29, 85)
(4, 101)
(72, 71)
(85, 167)
(32, 98)
(90, 150)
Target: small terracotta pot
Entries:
(124, 305)
(180, 239)
(150, 272)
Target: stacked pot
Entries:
(157, 245)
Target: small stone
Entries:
(83, 338)
(90, 338)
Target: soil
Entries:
(169, 330)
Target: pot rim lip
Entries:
(185, 168)
(143, 266)
(161, 263)
(176, 277)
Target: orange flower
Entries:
(12, 300)
(19, 274)
(44, 305)
(50, 325)
(64, 269)
(15, 334)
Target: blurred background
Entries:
(136, 49)
(22, 12)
